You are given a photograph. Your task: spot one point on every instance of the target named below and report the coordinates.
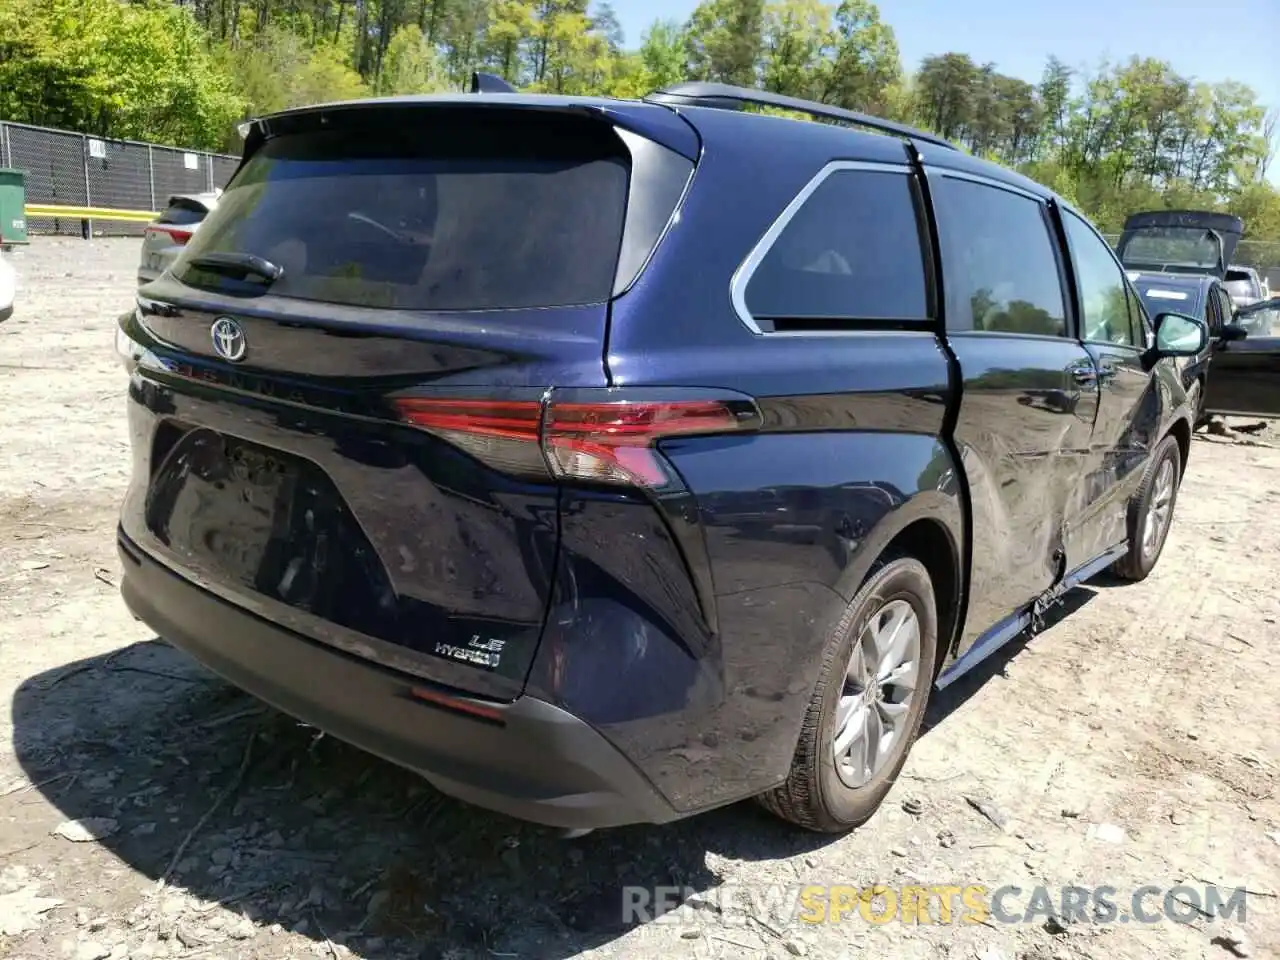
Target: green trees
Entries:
(1113, 139)
(124, 70)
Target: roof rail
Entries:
(728, 97)
(489, 83)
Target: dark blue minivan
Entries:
(610, 461)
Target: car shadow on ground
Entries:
(236, 803)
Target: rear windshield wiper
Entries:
(237, 265)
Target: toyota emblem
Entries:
(228, 339)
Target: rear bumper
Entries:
(535, 762)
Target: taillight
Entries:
(176, 234)
(613, 442)
(610, 441)
(503, 433)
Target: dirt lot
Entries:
(1134, 742)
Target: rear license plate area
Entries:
(220, 504)
(256, 519)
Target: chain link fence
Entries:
(73, 169)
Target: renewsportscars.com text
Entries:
(941, 903)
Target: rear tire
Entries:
(1151, 512)
(864, 702)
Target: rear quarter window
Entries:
(480, 214)
(852, 251)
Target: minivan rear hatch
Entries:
(347, 359)
(1179, 241)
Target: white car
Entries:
(164, 239)
(8, 287)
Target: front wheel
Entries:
(865, 712)
(1151, 512)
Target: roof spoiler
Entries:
(489, 83)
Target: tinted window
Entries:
(182, 214)
(853, 251)
(1213, 312)
(1001, 273)
(487, 213)
(1226, 308)
(1104, 300)
(1139, 318)
(1184, 246)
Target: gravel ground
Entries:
(148, 810)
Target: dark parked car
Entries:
(611, 461)
(1246, 368)
(1181, 260)
(1203, 297)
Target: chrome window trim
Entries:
(742, 276)
(986, 182)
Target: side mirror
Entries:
(1178, 335)
(1258, 307)
(1233, 331)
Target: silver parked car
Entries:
(164, 238)
(1246, 288)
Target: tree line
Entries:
(1113, 138)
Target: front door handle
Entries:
(1084, 376)
(1107, 372)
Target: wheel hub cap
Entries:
(877, 695)
(1159, 509)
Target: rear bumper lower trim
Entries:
(537, 763)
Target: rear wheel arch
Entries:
(930, 527)
(930, 542)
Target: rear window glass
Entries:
(1164, 299)
(852, 251)
(497, 212)
(182, 214)
(1181, 246)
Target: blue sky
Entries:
(1213, 40)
